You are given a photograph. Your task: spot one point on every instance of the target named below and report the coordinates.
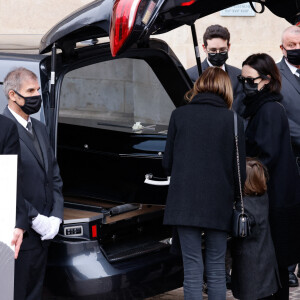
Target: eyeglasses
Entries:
(249, 80)
(215, 51)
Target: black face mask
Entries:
(293, 56)
(218, 59)
(32, 104)
(252, 90)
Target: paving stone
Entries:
(178, 295)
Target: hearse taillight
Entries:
(131, 19)
(122, 22)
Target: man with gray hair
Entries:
(289, 68)
(41, 182)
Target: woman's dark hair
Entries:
(257, 176)
(265, 65)
(213, 80)
(216, 31)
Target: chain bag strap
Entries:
(240, 220)
(236, 139)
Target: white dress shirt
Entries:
(20, 120)
(292, 68)
(209, 63)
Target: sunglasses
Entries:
(247, 79)
(215, 52)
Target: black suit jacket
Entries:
(9, 144)
(290, 91)
(41, 184)
(233, 72)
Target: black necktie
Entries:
(298, 77)
(29, 127)
(35, 141)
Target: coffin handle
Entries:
(150, 179)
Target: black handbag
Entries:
(240, 220)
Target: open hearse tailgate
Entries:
(123, 231)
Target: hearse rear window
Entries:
(120, 95)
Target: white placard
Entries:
(240, 10)
(8, 191)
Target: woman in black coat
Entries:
(268, 139)
(200, 158)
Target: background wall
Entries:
(23, 22)
(261, 33)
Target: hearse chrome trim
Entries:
(84, 220)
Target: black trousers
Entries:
(30, 270)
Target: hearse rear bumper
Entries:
(79, 270)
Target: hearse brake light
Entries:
(122, 22)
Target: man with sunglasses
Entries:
(289, 68)
(216, 45)
(41, 182)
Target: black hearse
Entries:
(106, 104)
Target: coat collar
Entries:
(27, 140)
(209, 99)
(253, 104)
(286, 72)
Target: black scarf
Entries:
(254, 103)
(209, 98)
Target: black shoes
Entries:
(228, 281)
(293, 280)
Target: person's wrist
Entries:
(36, 217)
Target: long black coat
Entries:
(200, 157)
(268, 139)
(254, 266)
(9, 144)
(41, 181)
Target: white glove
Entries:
(55, 222)
(41, 224)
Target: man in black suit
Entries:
(9, 144)
(216, 45)
(41, 182)
(289, 68)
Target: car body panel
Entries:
(82, 272)
(90, 21)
